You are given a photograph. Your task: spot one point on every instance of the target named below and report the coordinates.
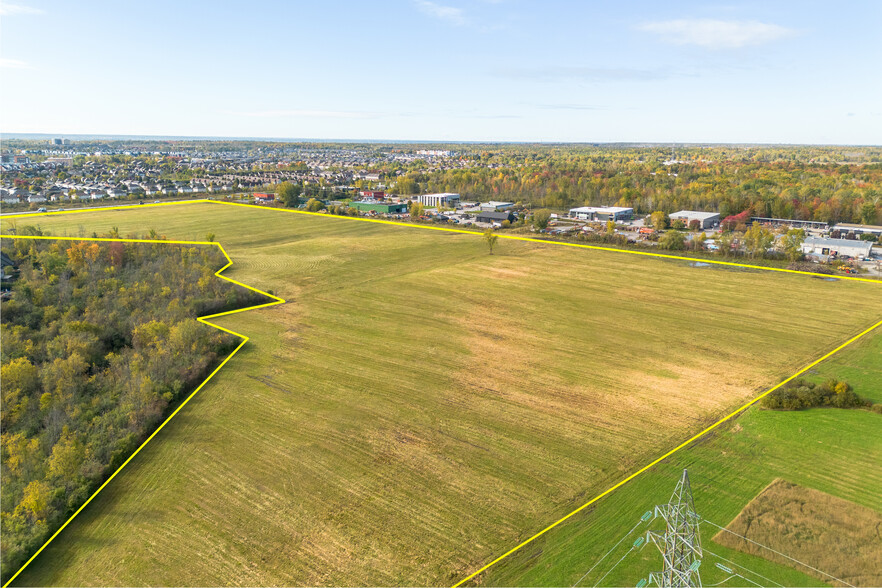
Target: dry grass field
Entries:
(418, 406)
(811, 526)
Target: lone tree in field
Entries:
(289, 194)
(490, 238)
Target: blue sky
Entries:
(471, 70)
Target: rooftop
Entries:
(854, 226)
(600, 209)
(837, 242)
(695, 214)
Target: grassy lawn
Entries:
(419, 406)
(832, 450)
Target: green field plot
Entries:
(834, 451)
(418, 406)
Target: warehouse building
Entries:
(493, 217)
(848, 229)
(706, 220)
(602, 213)
(494, 205)
(820, 247)
(382, 207)
(444, 200)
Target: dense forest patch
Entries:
(98, 340)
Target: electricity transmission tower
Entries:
(680, 544)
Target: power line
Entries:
(743, 567)
(724, 581)
(637, 544)
(642, 520)
(778, 553)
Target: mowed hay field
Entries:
(418, 406)
(834, 451)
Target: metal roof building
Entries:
(836, 247)
(706, 220)
(602, 213)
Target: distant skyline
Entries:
(446, 70)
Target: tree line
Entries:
(564, 179)
(99, 340)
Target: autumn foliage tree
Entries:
(98, 340)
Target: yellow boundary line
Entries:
(460, 231)
(201, 319)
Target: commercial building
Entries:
(382, 207)
(602, 213)
(494, 205)
(378, 194)
(445, 200)
(821, 247)
(493, 217)
(264, 197)
(706, 220)
(789, 222)
(847, 229)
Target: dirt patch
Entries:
(836, 536)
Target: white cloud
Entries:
(11, 9)
(305, 114)
(7, 63)
(450, 14)
(716, 34)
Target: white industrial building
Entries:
(858, 230)
(706, 220)
(495, 205)
(602, 213)
(821, 247)
(445, 200)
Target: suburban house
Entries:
(602, 213)
(824, 248)
(706, 220)
(445, 200)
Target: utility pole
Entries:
(680, 544)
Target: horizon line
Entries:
(147, 137)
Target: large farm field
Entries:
(418, 407)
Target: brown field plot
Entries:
(835, 535)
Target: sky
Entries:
(446, 70)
